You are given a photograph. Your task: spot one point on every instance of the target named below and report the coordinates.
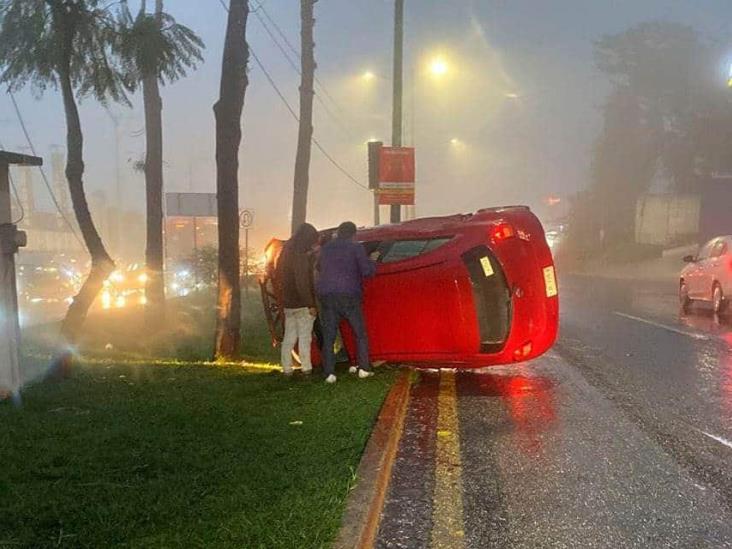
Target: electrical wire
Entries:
(297, 54)
(294, 66)
(43, 172)
(297, 118)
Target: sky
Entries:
(512, 120)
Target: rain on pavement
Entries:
(618, 437)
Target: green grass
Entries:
(182, 456)
(187, 335)
(140, 449)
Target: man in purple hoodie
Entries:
(343, 264)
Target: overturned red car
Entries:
(463, 291)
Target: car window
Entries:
(718, 249)
(400, 250)
(706, 250)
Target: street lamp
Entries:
(438, 66)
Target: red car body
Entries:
(461, 291)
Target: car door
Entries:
(719, 265)
(706, 264)
(694, 279)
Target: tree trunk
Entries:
(155, 285)
(305, 133)
(228, 110)
(101, 264)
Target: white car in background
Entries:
(708, 275)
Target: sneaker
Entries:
(364, 374)
(330, 379)
(287, 373)
(306, 371)
(353, 370)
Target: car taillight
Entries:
(502, 231)
(523, 351)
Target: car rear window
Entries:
(492, 298)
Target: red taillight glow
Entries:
(523, 351)
(502, 231)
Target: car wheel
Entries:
(718, 301)
(684, 300)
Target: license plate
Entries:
(550, 281)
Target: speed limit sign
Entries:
(246, 218)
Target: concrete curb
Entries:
(366, 501)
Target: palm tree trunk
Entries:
(102, 265)
(228, 111)
(305, 133)
(155, 285)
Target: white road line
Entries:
(718, 439)
(692, 335)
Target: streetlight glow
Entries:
(438, 66)
(368, 75)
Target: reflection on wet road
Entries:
(620, 437)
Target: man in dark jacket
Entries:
(295, 274)
(343, 264)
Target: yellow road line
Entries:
(447, 506)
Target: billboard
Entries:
(396, 176)
(190, 204)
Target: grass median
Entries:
(166, 454)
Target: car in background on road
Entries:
(467, 290)
(708, 276)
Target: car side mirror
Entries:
(689, 259)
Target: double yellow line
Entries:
(447, 499)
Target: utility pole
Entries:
(10, 240)
(396, 120)
(374, 150)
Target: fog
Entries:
(513, 119)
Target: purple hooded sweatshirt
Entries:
(342, 266)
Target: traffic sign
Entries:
(246, 219)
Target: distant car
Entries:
(708, 275)
(465, 290)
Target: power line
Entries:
(297, 54)
(294, 66)
(15, 193)
(297, 118)
(43, 172)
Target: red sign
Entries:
(396, 176)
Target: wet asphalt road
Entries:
(619, 437)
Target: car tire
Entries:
(684, 301)
(719, 303)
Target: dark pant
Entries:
(334, 308)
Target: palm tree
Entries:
(155, 49)
(66, 44)
(305, 132)
(228, 111)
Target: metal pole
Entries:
(377, 211)
(246, 262)
(396, 120)
(197, 259)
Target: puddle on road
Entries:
(529, 402)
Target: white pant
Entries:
(298, 329)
